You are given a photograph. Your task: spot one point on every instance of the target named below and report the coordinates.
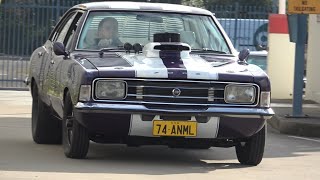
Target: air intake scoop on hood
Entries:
(152, 50)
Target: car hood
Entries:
(172, 61)
(193, 66)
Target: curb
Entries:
(292, 126)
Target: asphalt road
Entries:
(286, 157)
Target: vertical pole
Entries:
(299, 66)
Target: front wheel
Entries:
(75, 136)
(251, 151)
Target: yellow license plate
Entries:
(174, 128)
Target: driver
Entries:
(108, 33)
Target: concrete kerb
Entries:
(294, 126)
(305, 126)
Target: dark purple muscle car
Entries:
(146, 74)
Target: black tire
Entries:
(251, 153)
(75, 137)
(260, 38)
(46, 129)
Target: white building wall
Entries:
(313, 59)
(281, 65)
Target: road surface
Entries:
(286, 157)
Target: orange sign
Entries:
(304, 6)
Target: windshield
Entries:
(112, 29)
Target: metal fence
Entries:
(246, 26)
(24, 27)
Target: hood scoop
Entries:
(154, 49)
(172, 47)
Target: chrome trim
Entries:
(255, 97)
(169, 80)
(94, 89)
(265, 113)
(176, 92)
(211, 94)
(167, 87)
(183, 104)
(79, 35)
(173, 97)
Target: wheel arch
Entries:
(33, 83)
(65, 91)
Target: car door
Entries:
(59, 63)
(47, 75)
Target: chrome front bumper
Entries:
(247, 112)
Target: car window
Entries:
(199, 31)
(71, 32)
(68, 29)
(63, 28)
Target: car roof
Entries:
(142, 6)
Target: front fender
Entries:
(75, 76)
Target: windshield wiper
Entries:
(205, 50)
(113, 49)
(119, 48)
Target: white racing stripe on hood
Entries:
(198, 68)
(146, 67)
(153, 67)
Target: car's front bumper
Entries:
(265, 113)
(120, 121)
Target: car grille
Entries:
(160, 92)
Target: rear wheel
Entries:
(251, 151)
(46, 129)
(75, 136)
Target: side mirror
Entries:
(59, 49)
(243, 55)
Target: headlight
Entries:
(110, 89)
(239, 94)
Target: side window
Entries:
(71, 32)
(64, 29)
(61, 30)
(67, 30)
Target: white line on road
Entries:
(308, 139)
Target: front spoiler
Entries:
(240, 112)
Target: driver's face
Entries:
(106, 31)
